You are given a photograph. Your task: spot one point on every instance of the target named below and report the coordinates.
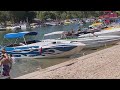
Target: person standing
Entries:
(5, 62)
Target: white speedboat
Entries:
(18, 27)
(13, 27)
(112, 31)
(98, 41)
(51, 23)
(2, 28)
(41, 49)
(90, 42)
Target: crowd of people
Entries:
(68, 34)
(73, 33)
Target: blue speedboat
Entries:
(41, 48)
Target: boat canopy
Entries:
(54, 33)
(19, 35)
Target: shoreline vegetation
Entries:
(12, 17)
(12, 20)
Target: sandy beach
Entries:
(104, 64)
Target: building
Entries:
(108, 14)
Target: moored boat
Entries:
(93, 41)
(111, 31)
(42, 48)
(67, 22)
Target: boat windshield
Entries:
(23, 43)
(53, 35)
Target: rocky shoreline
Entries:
(104, 64)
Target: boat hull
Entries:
(115, 31)
(75, 50)
(94, 42)
(45, 50)
(102, 43)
